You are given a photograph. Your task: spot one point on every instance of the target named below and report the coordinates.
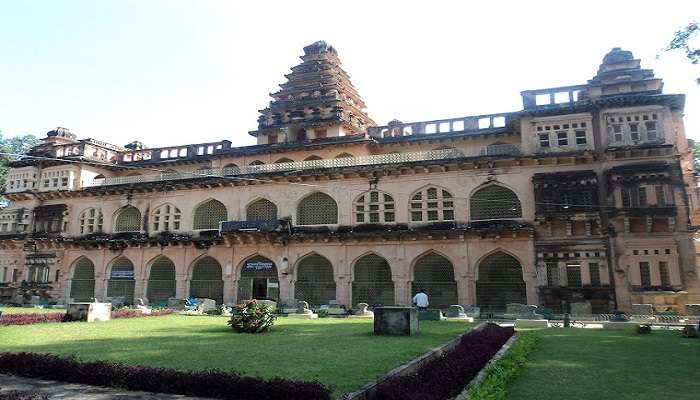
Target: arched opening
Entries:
(166, 218)
(435, 274)
(121, 281)
(261, 210)
(284, 160)
(231, 169)
(161, 282)
(500, 282)
(315, 282)
(82, 287)
(208, 215)
(372, 283)
(258, 280)
(128, 220)
(495, 202)
(257, 162)
(99, 176)
(207, 280)
(91, 221)
(374, 207)
(431, 204)
(313, 158)
(317, 209)
(344, 155)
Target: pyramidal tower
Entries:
(317, 101)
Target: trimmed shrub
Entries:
(134, 313)
(446, 376)
(252, 317)
(493, 386)
(211, 383)
(29, 319)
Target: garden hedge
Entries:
(212, 383)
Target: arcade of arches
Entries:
(491, 282)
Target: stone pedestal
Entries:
(90, 312)
(395, 321)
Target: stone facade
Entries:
(585, 195)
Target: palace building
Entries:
(587, 194)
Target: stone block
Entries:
(90, 312)
(362, 312)
(455, 311)
(176, 304)
(395, 321)
(581, 309)
(621, 326)
(206, 305)
(288, 306)
(531, 323)
(431, 314)
(692, 309)
(642, 309)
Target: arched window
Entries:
(258, 280)
(133, 174)
(500, 282)
(208, 215)
(207, 280)
(91, 221)
(315, 283)
(344, 155)
(161, 282)
(128, 220)
(121, 280)
(317, 209)
(257, 162)
(313, 158)
(166, 218)
(495, 202)
(283, 160)
(374, 207)
(261, 210)
(231, 169)
(372, 283)
(432, 204)
(82, 286)
(435, 274)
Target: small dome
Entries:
(61, 132)
(319, 47)
(617, 55)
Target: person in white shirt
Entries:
(420, 300)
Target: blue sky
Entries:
(181, 71)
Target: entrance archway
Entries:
(259, 280)
(207, 280)
(82, 287)
(500, 281)
(435, 274)
(315, 282)
(372, 283)
(161, 282)
(121, 281)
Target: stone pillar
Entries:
(471, 290)
(66, 292)
(139, 288)
(402, 291)
(342, 290)
(230, 290)
(463, 289)
(100, 285)
(286, 286)
(181, 287)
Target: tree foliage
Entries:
(11, 146)
(683, 40)
(695, 148)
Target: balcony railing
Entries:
(394, 158)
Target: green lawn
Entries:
(340, 353)
(27, 310)
(597, 364)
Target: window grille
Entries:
(644, 273)
(573, 275)
(230, 169)
(91, 221)
(552, 274)
(374, 207)
(660, 196)
(432, 204)
(372, 283)
(317, 209)
(207, 280)
(261, 210)
(500, 282)
(664, 273)
(208, 215)
(594, 272)
(82, 286)
(315, 281)
(266, 277)
(495, 202)
(121, 280)
(128, 220)
(435, 274)
(161, 282)
(166, 218)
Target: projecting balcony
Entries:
(346, 162)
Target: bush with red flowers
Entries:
(252, 317)
(30, 319)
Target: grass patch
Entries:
(493, 386)
(597, 364)
(30, 310)
(342, 354)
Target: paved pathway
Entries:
(69, 391)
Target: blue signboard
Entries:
(259, 265)
(122, 275)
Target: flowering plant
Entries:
(252, 317)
